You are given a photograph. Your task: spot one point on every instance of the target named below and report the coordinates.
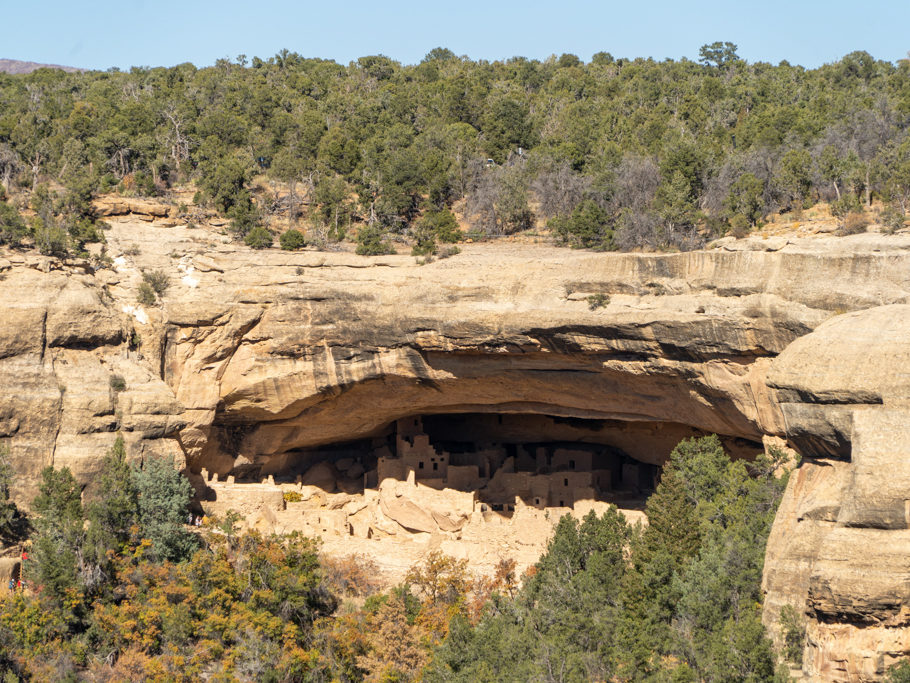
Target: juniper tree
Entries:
(163, 501)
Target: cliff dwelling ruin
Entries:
(488, 486)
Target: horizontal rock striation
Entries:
(840, 545)
(253, 357)
(70, 381)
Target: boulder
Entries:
(322, 475)
(407, 514)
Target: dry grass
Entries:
(855, 223)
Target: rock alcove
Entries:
(264, 364)
(485, 485)
(541, 459)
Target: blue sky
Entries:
(99, 34)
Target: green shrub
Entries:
(57, 516)
(371, 242)
(244, 217)
(113, 512)
(794, 634)
(442, 224)
(292, 497)
(223, 181)
(745, 199)
(740, 225)
(144, 184)
(847, 204)
(596, 301)
(425, 241)
(118, 384)
(588, 226)
(158, 280)
(228, 525)
(164, 496)
(258, 238)
(899, 673)
(50, 238)
(892, 219)
(8, 510)
(146, 295)
(12, 227)
(291, 240)
(718, 225)
(107, 182)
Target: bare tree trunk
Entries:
(9, 164)
(36, 168)
(836, 190)
(462, 181)
(310, 186)
(121, 158)
(180, 150)
(292, 200)
(372, 218)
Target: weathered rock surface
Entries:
(62, 341)
(309, 349)
(852, 361)
(117, 206)
(840, 545)
(254, 356)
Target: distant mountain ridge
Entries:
(15, 66)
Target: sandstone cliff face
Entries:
(840, 544)
(310, 349)
(255, 355)
(61, 343)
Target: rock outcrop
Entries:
(70, 381)
(840, 545)
(255, 356)
(311, 349)
(142, 208)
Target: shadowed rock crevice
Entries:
(530, 440)
(357, 398)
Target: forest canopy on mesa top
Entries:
(614, 153)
